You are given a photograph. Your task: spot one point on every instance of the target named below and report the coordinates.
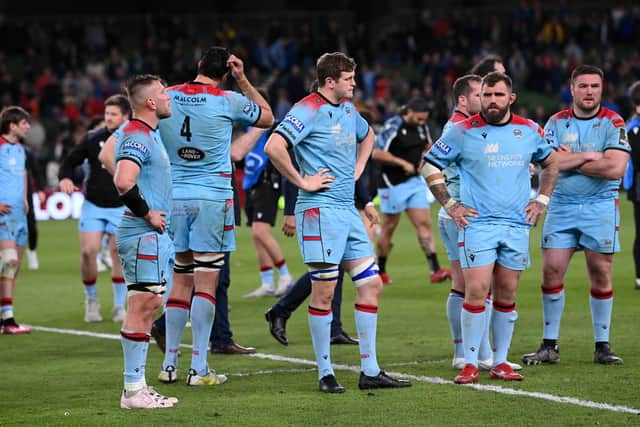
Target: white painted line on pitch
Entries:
(419, 378)
(271, 372)
(417, 362)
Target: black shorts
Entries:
(261, 203)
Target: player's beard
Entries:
(496, 114)
(589, 111)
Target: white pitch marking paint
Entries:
(419, 378)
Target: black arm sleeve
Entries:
(290, 191)
(362, 194)
(135, 202)
(36, 173)
(73, 159)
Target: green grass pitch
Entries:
(60, 379)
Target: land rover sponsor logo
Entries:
(190, 154)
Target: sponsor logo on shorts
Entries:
(190, 154)
(442, 147)
(295, 122)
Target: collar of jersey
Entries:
(145, 123)
(325, 98)
(573, 114)
(466, 116)
(2, 138)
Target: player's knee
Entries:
(88, 253)
(365, 273)
(423, 230)
(553, 273)
(183, 268)
(389, 226)
(8, 263)
(322, 298)
(208, 262)
(153, 305)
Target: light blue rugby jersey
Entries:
(12, 173)
(138, 142)
(324, 135)
(452, 172)
(604, 131)
(198, 138)
(494, 165)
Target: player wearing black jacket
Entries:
(101, 210)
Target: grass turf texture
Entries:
(56, 379)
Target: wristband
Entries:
(135, 202)
(541, 198)
(243, 84)
(451, 202)
(368, 204)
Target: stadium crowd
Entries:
(61, 69)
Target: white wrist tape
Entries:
(541, 198)
(450, 203)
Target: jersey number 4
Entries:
(186, 128)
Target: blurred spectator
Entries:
(61, 69)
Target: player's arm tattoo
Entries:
(436, 182)
(440, 192)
